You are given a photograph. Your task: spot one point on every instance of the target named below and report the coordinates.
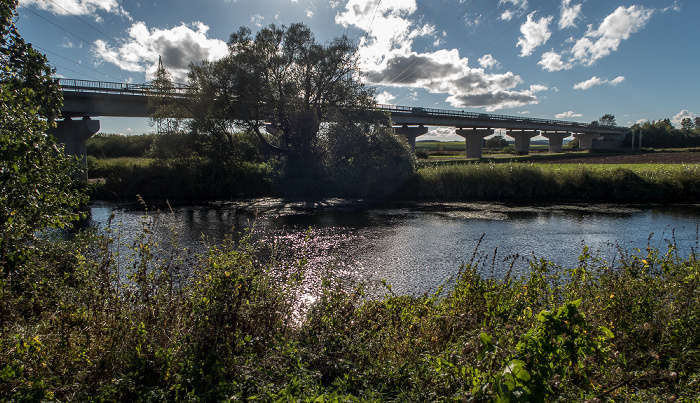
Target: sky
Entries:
(566, 59)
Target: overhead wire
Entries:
(85, 22)
(74, 35)
(74, 62)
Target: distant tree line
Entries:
(662, 134)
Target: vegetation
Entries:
(36, 188)
(156, 323)
(521, 182)
(305, 106)
(662, 134)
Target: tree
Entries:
(496, 142)
(281, 85)
(697, 123)
(607, 120)
(36, 187)
(686, 125)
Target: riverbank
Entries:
(225, 324)
(616, 181)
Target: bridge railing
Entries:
(69, 84)
(417, 111)
(182, 90)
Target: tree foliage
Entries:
(36, 188)
(281, 76)
(304, 103)
(497, 141)
(607, 120)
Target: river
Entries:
(415, 247)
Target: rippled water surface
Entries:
(416, 247)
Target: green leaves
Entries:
(36, 187)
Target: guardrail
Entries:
(426, 112)
(105, 87)
(181, 90)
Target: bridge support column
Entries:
(73, 134)
(410, 133)
(522, 139)
(474, 140)
(585, 140)
(556, 140)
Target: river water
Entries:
(415, 247)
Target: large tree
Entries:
(36, 188)
(283, 86)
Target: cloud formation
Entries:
(78, 7)
(178, 46)
(534, 33)
(387, 58)
(569, 14)
(445, 71)
(599, 42)
(593, 81)
(676, 120)
(567, 115)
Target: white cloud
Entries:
(534, 33)
(569, 14)
(616, 27)
(442, 132)
(444, 71)
(487, 61)
(386, 57)
(567, 115)
(538, 88)
(385, 97)
(508, 15)
(257, 20)
(617, 80)
(178, 46)
(524, 113)
(551, 61)
(676, 120)
(309, 13)
(389, 28)
(593, 81)
(78, 7)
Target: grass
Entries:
(518, 182)
(81, 322)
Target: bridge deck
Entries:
(96, 98)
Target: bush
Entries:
(146, 322)
(118, 145)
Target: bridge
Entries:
(88, 99)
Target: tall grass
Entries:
(87, 321)
(530, 182)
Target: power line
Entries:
(57, 26)
(74, 62)
(85, 22)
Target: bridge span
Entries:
(87, 99)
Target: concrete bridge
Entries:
(88, 99)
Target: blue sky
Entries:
(569, 59)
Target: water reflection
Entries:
(415, 247)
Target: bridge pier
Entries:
(556, 140)
(585, 140)
(73, 134)
(474, 140)
(410, 133)
(522, 139)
